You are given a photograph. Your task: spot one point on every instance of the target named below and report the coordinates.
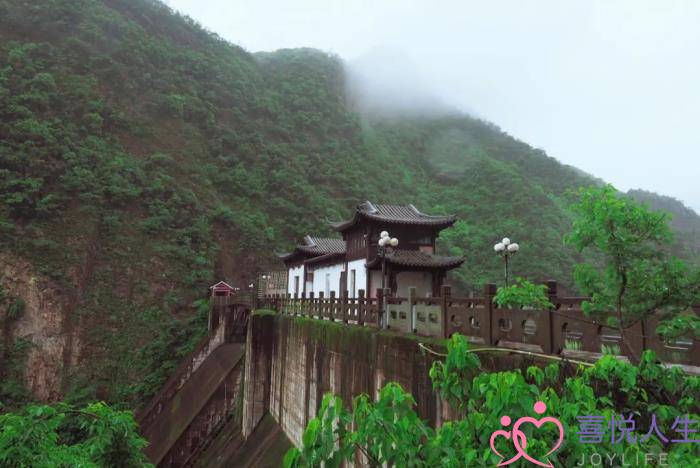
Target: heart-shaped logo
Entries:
(506, 434)
(520, 440)
(538, 424)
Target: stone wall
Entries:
(258, 358)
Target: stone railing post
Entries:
(445, 293)
(552, 291)
(411, 299)
(489, 292)
(382, 316)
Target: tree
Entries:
(389, 433)
(63, 436)
(637, 277)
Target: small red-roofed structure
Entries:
(222, 289)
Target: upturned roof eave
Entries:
(448, 263)
(321, 258)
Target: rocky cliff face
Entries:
(42, 324)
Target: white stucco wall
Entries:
(360, 276)
(295, 271)
(375, 282)
(319, 284)
(421, 280)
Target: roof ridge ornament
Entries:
(372, 207)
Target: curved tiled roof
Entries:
(322, 245)
(317, 246)
(394, 214)
(418, 259)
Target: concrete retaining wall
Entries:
(308, 358)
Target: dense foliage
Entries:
(523, 294)
(142, 158)
(388, 432)
(637, 277)
(63, 436)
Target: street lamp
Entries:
(385, 246)
(506, 249)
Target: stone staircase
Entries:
(203, 395)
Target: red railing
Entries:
(563, 330)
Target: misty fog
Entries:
(608, 87)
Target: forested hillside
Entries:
(142, 158)
(684, 221)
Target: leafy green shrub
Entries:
(64, 436)
(523, 294)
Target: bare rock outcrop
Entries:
(42, 324)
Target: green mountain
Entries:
(142, 158)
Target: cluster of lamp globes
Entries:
(386, 241)
(506, 246)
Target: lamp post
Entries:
(506, 249)
(385, 246)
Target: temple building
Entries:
(352, 262)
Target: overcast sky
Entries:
(612, 87)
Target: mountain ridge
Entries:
(144, 158)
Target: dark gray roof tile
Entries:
(394, 214)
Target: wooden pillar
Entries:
(320, 305)
(312, 302)
(361, 307)
(411, 309)
(331, 308)
(344, 306)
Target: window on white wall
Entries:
(328, 285)
(296, 285)
(352, 283)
